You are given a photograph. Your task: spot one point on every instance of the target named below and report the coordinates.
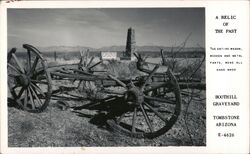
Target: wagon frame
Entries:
(155, 95)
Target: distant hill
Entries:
(112, 48)
(64, 48)
(60, 49)
(149, 48)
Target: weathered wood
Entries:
(13, 50)
(193, 85)
(30, 81)
(79, 77)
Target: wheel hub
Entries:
(134, 96)
(23, 80)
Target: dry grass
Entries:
(121, 69)
(57, 128)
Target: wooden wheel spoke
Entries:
(25, 99)
(34, 65)
(31, 99)
(16, 86)
(118, 81)
(15, 69)
(160, 100)
(92, 58)
(38, 89)
(95, 64)
(39, 72)
(146, 118)
(156, 87)
(135, 54)
(20, 92)
(132, 83)
(19, 100)
(84, 63)
(11, 90)
(150, 76)
(86, 58)
(37, 98)
(155, 105)
(18, 63)
(40, 82)
(12, 75)
(156, 112)
(9, 56)
(134, 120)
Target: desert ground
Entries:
(74, 127)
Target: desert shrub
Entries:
(67, 57)
(187, 67)
(122, 69)
(133, 69)
(118, 69)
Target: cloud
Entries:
(104, 27)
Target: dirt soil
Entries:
(74, 128)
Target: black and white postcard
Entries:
(123, 76)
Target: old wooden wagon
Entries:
(147, 105)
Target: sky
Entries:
(100, 27)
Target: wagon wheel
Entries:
(85, 63)
(144, 114)
(29, 81)
(86, 67)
